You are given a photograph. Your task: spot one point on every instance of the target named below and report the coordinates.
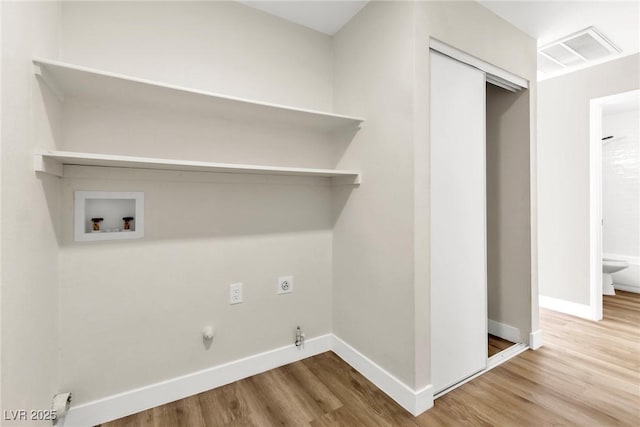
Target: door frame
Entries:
(511, 82)
(595, 196)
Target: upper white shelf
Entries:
(52, 162)
(75, 81)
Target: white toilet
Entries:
(610, 266)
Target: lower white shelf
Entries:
(52, 162)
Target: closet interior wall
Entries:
(508, 209)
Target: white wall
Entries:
(563, 180)
(373, 234)
(621, 183)
(29, 262)
(217, 46)
(132, 312)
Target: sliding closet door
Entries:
(458, 222)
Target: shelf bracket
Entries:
(43, 76)
(46, 165)
(346, 180)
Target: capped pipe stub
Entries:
(60, 405)
(208, 332)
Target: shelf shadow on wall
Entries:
(170, 133)
(188, 205)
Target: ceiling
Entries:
(546, 21)
(325, 16)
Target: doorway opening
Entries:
(596, 251)
(480, 217)
(506, 190)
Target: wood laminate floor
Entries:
(497, 344)
(587, 374)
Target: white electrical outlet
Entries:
(235, 293)
(285, 284)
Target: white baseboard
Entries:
(535, 340)
(567, 307)
(416, 402)
(130, 402)
(504, 331)
(133, 401)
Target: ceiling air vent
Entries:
(575, 51)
